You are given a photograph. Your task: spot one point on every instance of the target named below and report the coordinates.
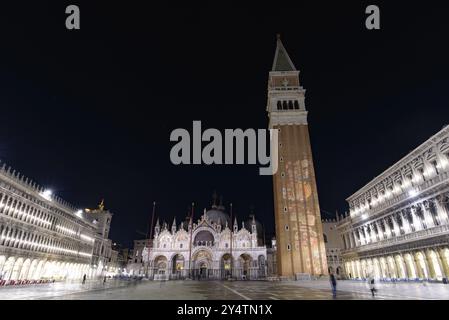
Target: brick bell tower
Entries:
(299, 233)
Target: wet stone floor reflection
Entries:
(221, 290)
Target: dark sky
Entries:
(89, 113)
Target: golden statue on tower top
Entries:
(101, 205)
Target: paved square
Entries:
(222, 290)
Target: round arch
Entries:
(16, 269)
(177, 263)
(421, 265)
(438, 273)
(32, 269)
(410, 266)
(25, 270)
(245, 261)
(161, 265)
(261, 261)
(8, 267)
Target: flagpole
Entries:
(190, 246)
(232, 228)
(150, 236)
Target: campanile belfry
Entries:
(299, 233)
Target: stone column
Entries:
(444, 261)
(429, 263)
(362, 239)
(367, 234)
(395, 270)
(414, 264)
(1, 201)
(373, 233)
(380, 232)
(387, 228)
(405, 266)
(405, 223)
(428, 218)
(397, 231)
(440, 263)
(441, 210)
(416, 220)
(354, 239)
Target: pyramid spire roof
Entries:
(282, 61)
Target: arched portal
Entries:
(245, 265)
(2, 263)
(410, 266)
(376, 265)
(177, 264)
(160, 265)
(204, 238)
(438, 274)
(16, 269)
(25, 270)
(7, 268)
(39, 270)
(225, 265)
(202, 262)
(261, 261)
(421, 264)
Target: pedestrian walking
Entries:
(333, 281)
(104, 280)
(372, 286)
(84, 279)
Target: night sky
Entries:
(89, 113)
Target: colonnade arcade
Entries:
(17, 268)
(425, 264)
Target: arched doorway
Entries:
(245, 265)
(421, 265)
(202, 262)
(7, 268)
(203, 270)
(262, 266)
(25, 269)
(225, 266)
(204, 238)
(177, 266)
(160, 267)
(16, 270)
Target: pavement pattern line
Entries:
(236, 292)
(385, 296)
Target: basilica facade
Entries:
(212, 248)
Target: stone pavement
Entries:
(222, 290)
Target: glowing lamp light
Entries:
(79, 213)
(47, 194)
(364, 216)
